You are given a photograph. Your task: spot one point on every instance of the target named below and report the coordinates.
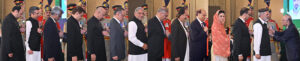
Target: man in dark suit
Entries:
(179, 37)
(117, 36)
(290, 37)
(75, 35)
(52, 45)
(12, 47)
(156, 35)
(198, 42)
(95, 39)
(241, 37)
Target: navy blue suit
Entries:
(291, 39)
(198, 42)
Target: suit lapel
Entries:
(181, 29)
(160, 26)
(198, 23)
(243, 24)
(117, 24)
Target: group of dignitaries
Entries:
(157, 39)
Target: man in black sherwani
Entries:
(12, 47)
(95, 39)
(74, 34)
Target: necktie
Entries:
(203, 24)
(121, 24)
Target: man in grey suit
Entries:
(117, 36)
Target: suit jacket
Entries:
(198, 42)
(241, 37)
(290, 37)
(95, 39)
(117, 40)
(178, 41)
(52, 46)
(155, 39)
(12, 41)
(74, 38)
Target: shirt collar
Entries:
(262, 21)
(199, 20)
(117, 20)
(53, 19)
(242, 19)
(181, 23)
(158, 18)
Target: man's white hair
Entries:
(137, 9)
(56, 10)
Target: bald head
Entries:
(286, 20)
(99, 12)
(201, 14)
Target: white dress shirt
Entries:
(242, 19)
(132, 30)
(28, 30)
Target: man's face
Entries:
(20, 13)
(164, 15)
(250, 12)
(120, 15)
(183, 17)
(36, 14)
(78, 16)
(47, 14)
(145, 13)
(17, 13)
(266, 16)
(202, 15)
(139, 14)
(285, 20)
(56, 17)
(247, 15)
(102, 12)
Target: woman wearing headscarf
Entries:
(221, 42)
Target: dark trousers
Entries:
(200, 58)
(236, 58)
(154, 59)
(57, 58)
